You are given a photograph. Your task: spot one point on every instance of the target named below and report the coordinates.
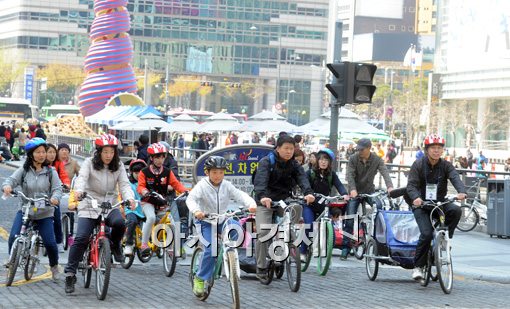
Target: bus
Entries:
(13, 109)
(201, 116)
(51, 112)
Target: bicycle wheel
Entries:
(169, 257)
(359, 248)
(428, 268)
(65, 231)
(293, 267)
(13, 263)
(32, 260)
(325, 239)
(128, 259)
(144, 258)
(371, 263)
(104, 268)
(86, 270)
(233, 279)
(279, 271)
(195, 263)
(469, 218)
(443, 261)
(309, 253)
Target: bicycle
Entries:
(323, 248)
(440, 250)
(98, 256)
(65, 215)
(285, 248)
(27, 246)
(164, 244)
(473, 212)
(227, 260)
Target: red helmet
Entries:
(156, 148)
(107, 140)
(434, 139)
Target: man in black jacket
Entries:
(428, 181)
(142, 150)
(276, 175)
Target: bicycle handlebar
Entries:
(213, 216)
(329, 198)
(104, 205)
(432, 204)
(375, 194)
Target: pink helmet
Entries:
(107, 140)
(434, 139)
(156, 148)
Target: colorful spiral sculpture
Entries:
(108, 60)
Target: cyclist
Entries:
(35, 176)
(100, 176)
(133, 217)
(322, 179)
(51, 156)
(212, 194)
(72, 168)
(277, 173)
(428, 181)
(361, 171)
(159, 179)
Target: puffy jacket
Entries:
(211, 199)
(62, 173)
(101, 185)
(277, 181)
(37, 183)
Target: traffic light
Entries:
(235, 85)
(206, 84)
(353, 83)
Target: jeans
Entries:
(422, 216)
(265, 216)
(208, 261)
(57, 224)
(84, 231)
(131, 221)
(310, 213)
(45, 228)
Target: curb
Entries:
(482, 277)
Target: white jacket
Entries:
(210, 199)
(102, 186)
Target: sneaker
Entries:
(128, 250)
(54, 273)
(262, 274)
(145, 249)
(198, 286)
(418, 273)
(345, 253)
(70, 281)
(60, 248)
(70, 241)
(303, 257)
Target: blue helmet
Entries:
(328, 152)
(34, 143)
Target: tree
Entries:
(12, 70)
(62, 82)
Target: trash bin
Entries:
(498, 207)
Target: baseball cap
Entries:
(364, 143)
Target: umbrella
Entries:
(267, 115)
(268, 125)
(141, 125)
(182, 123)
(220, 122)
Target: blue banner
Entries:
(29, 84)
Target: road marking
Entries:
(44, 276)
(3, 233)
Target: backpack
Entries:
(313, 176)
(272, 163)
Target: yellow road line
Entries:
(3, 233)
(44, 276)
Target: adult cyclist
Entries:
(428, 181)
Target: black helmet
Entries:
(215, 162)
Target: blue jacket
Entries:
(138, 210)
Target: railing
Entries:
(83, 147)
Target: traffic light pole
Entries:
(334, 102)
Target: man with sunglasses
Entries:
(361, 171)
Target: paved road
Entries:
(144, 285)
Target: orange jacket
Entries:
(61, 171)
(172, 181)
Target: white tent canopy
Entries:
(182, 123)
(141, 125)
(268, 125)
(220, 122)
(266, 115)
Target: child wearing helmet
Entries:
(133, 217)
(36, 177)
(323, 179)
(212, 195)
(159, 179)
(428, 180)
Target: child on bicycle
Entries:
(322, 178)
(212, 194)
(133, 217)
(159, 179)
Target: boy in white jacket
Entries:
(212, 195)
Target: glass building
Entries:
(278, 46)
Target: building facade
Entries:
(280, 46)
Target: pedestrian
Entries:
(39, 132)
(349, 152)
(142, 149)
(271, 140)
(469, 156)
(419, 153)
(380, 151)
